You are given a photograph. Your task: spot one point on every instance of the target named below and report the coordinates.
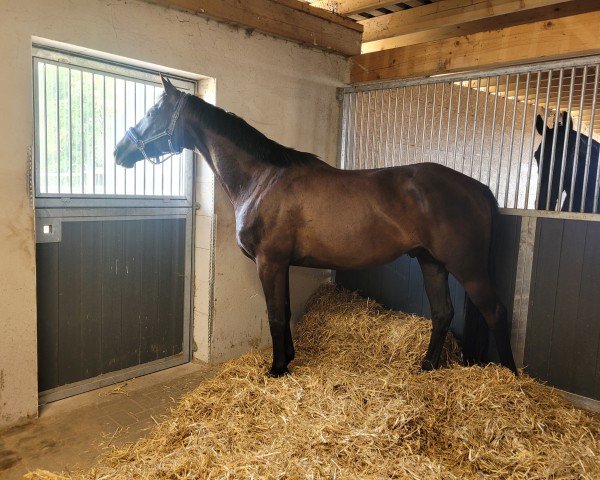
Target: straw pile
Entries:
(357, 406)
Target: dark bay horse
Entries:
(293, 209)
(574, 169)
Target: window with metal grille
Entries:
(83, 106)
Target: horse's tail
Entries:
(476, 334)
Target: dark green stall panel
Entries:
(110, 296)
(562, 343)
(399, 285)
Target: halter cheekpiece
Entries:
(133, 136)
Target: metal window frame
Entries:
(539, 69)
(116, 70)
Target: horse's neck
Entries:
(235, 169)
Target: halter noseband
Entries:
(134, 138)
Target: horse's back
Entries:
(379, 214)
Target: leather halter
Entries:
(140, 144)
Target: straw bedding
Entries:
(357, 406)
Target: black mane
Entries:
(249, 138)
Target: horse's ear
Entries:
(539, 124)
(565, 116)
(167, 85)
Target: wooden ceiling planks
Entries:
(451, 18)
(289, 19)
(561, 38)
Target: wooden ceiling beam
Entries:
(351, 7)
(289, 19)
(450, 18)
(571, 36)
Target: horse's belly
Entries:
(351, 248)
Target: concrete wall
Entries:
(285, 90)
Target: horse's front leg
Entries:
(273, 276)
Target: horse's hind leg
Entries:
(435, 278)
(289, 342)
(482, 295)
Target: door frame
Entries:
(55, 209)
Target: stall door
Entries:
(113, 245)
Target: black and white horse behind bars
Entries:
(576, 162)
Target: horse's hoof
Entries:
(427, 366)
(278, 372)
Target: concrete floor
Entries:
(71, 433)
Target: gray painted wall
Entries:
(562, 344)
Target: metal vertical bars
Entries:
(464, 139)
(374, 136)
(378, 141)
(424, 123)
(380, 162)
(93, 134)
(70, 137)
(435, 85)
(475, 116)
(115, 133)
(440, 123)
(590, 141)
(395, 123)
(144, 190)
(351, 157)
(104, 134)
(73, 131)
(387, 128)
(448, 124)
(535, 109)
(567, 129)
(520, 157)
(351, 160)
(512, 140)
(345, 130)
(502, 135)
(506, 157)
(554, 139)
(82, 142)
(410, 105)
(545, 129)
(46, 125)
(578, 139)
(417, 120)
(489, 178)
(58, 130)
(135, 165)
(483, 124)
(400, 145)
(456, 126)
(362, 116)
(172, 173)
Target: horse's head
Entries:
(561, 124)
(155, 134)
